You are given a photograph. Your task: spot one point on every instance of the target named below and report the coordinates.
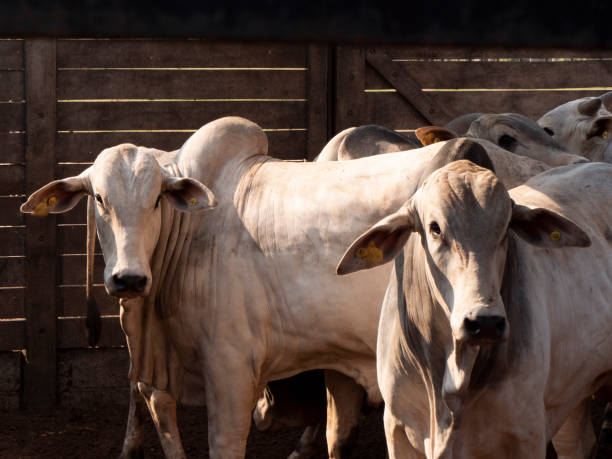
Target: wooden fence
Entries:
(63, 101)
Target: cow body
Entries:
(245, 293)
(449, 393)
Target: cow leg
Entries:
(134, 433)
(344, 401)
(307, 444)
(162, 407)
(576, 439)
(398, 445)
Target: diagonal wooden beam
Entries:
(407, 87)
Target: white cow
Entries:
(583, 126)
(495, 327)
(245, 293)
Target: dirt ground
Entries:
(97, 433)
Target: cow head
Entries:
(462, 216)
(127, 183)
(583, 126)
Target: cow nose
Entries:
(129, 283)
(485, 328)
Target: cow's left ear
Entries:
(545, 228)
(380, 244)
(433, 134)
(187, 194)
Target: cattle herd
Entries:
(464, 279)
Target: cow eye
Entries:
(549, 131)
(99, 199)
(157, 202)
(507, 142)
(435, 228)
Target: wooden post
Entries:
(350, 86)
(318, 97)
(39, 375)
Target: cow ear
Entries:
(545, 228)
(433, 134)
(187, 194)
(56, 197)
(380, 244)
(601, 127)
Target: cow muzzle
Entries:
(480, 327)
(128, 285)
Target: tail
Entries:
(93, 322)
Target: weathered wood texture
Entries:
(40, 368)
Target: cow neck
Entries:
(425, 329)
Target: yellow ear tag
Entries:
(41, 209)
(193, 202)
(371, 254)
(51, 201)
(604, 135)
(555, 236)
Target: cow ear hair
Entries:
(379, 244)
(545, 228)
(187, 194)
(56, 197)
(433, 134)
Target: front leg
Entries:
(134, 433)
(576, 439)
(162, 407)
(398, 445)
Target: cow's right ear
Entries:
(56, 197)
(433, 134)
(381, 243)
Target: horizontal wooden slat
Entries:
(71, 333)
(11, 87)
(175, 115)
(85, 147)
(12, 179)
(169, 84)
(72, 301)
(12, 241)
(11, 54)
(9, 210)
(11, 302)
(392, 111)
(479, 52)
(502, 75)
(12, 272)
(71, 239)
(72, 270)
(176, 53)
(12, 117)
(12, 150)
(75, 215)
(12, 335)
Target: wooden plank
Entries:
(175, 115)
(11, 54)
(40, 370)
(12, 241)
(12, 303)
(177, 53)
(318, 107)
(12, 335)
(71, 239)
(12, 116)
(11, 88)
(350, 83)
(408, 88)
(72, 301)
(12, 179)
(170, 84)
(72, 333)
(13, 147)
(392, 111)
(491, 52)
(501, 75)
(12, 271)
(72, 270)
(85, 147)
(9, 210)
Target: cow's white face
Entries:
(583, 126)
(128, 184)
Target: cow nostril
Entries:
(130, 283)
(471, 326)
(119, 283)
(501, 325)
(485, 328)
